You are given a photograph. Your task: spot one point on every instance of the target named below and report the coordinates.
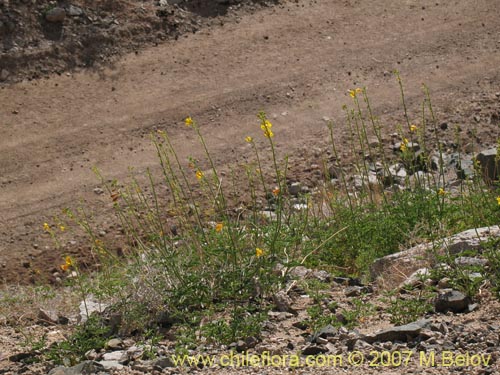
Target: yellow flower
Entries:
(188, 121)
(359, 91)
(413, 128)
(62, 228)
(405, 141)
(276, 191)
(161, 132)
(352, 93)
(498, 200)
(68, 262)
(441, 191)
(249, 139)
(199, 174)
(259, 252)
(46, 227)
(218, 227)
(403, 147)
(268, 134)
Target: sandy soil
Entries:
(295, 60)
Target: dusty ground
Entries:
(295, 61)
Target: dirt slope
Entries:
(295, 60)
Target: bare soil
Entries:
(294, 60)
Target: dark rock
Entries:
(347, 281)
(314, 350)
(453, 300)
(55, 15)
(489, 165)
(162, 363)
(354, 291)
(401, 333)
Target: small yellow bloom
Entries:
(441, 191)
(359, 91)
(405, 141)
(403, 147)
(218, 227)
(268, 133)
(352, 93)
(248, 139)
(498, 200)
(68, 262)
(188, 121)
(62, 228)
(161, 132)
(413, 128)
(259, 252)
(199, 174)
(276, 192)
(46, 227)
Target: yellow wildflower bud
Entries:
(259, 252)
(188, 121)
(248, 139)
(219, 227)
(199, 174)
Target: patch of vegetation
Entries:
(191, 253)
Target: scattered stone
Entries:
(90, 306)
(98, 191)
(321, 275)
(111, 365)
(4, 74)
(295, 188)
(83, 368)
(354, 291)
(470, 261)
(314, 350)
(400, 333)
(324, 333)
(55, 15)
(117, 355)
(115, 344)
(444, 283)
(299, 272)
(452, 300)
(74, 11)
(489, 165)
(416, 278)
(283, 302)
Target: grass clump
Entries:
(207, 269)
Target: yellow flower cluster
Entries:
(266, 128)
(355, 92)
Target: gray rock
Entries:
(452, 300)
(324, 333)
(393, 269)
(47, 316)
(162, 363)
(117, 355)
(283, 302)
(489, 165)
(322, 276)
(115, 344)
(83, 368)
(294, 188)
(74, 11)
(90, 306)
(416, 278)
(400, 333)
(471, 261)
(4, 74)
(55, 15)
(299, 272)
(111, 365)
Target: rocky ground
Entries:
(456, 335)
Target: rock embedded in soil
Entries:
(55, 15)
(400, 333)
(451, 300)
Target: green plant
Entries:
(409, 309)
